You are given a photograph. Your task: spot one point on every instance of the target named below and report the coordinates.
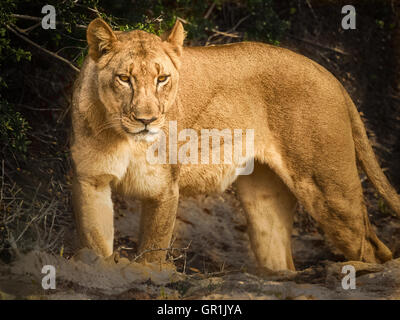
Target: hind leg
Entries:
(336, 203)
(269, 206)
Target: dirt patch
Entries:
(218, 264)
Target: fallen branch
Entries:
(210, 9)
(171, 249)
(316, 44)
(239, 23)
(90, 9)
(31, 18)
(229, 34)
(29, 29)
(54, 55)
(225, 34)
(312, 10)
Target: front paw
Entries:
(155, 258)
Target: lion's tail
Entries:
(368, 161)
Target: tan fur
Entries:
(307, 133)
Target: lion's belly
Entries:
(195, 179)
(143, 180)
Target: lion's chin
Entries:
(148, 135)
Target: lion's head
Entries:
(137, 76)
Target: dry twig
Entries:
(31, 18)
(316, 44)
(54, 55)
(169, 249)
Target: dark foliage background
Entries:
(38, 69)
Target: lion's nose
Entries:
(146, 121)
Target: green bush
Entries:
(13, 132)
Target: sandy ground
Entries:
(217, 264)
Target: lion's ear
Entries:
(176, 37)
(100, 37)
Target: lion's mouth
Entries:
(148, 131)
(144, 131)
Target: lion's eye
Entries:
(162, 79)
(123, 78)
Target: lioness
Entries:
(308, 137)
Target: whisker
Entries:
(108, 125)
(103, 129)
(105, 126)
